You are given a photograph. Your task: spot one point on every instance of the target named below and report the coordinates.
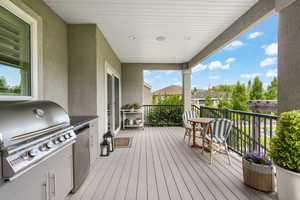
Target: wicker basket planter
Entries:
(260, 177)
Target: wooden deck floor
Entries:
(160, 165)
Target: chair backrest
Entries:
(188, 114)
(220, 128)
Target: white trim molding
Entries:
(34, 50)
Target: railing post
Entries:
(255, 133)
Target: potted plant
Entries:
(258, 172)
(126, 107)
(136, 106)
(285, 153)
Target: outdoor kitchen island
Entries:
(38, 157)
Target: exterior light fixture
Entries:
(104, 149)
(187, 37)
(109, 138)
(132, 37)
(161, 38)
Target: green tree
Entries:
(173, 99)
(194, 91)
(249, 87)
(207, 100)
(3, 83)
(257, 91)
(271, 93)
(239, 98)
(224, 102)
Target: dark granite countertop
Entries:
(79, 120)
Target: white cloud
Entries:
(268, 61)
(168, 71)
(230, 60)
(255, 35)
(178, 83)
(234, 45)
(271, 49)
(218, 65)
(157, 76)
(214, 65)
(199, 67)
(214, 77)
(271, 73)
(250, 76)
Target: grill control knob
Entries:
(43, 148)
(33, 153)
(70, 134)
(61, 138)
(49, 145)
(55, 141)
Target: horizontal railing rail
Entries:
(251, 132)
(163, 115)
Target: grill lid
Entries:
(27, 120)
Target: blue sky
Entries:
(252, 54)
(11, 74)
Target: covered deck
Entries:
(160, 165)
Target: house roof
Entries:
(172, 89)
(203, 94)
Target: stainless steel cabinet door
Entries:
(32, 185)
(60, 170)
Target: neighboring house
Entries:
(167, 91)
(263, 106)
(147, 94)
(198, 98)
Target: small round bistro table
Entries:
(194, 122)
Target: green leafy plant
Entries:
(285, 146)
(136, 105)
(167, 115)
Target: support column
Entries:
(186, 83)
(289, 59)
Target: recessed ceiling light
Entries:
(161, 38)
(187, 37)
(132, 37)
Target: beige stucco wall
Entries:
(53, 54)
(133, 79)
(88, 53)
(147, 95)
(82, 69)
(288, 58)
(132, 84)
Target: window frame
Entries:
(11, 7)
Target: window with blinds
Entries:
(15, 58)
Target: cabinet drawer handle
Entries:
(45, 185)
(54, 184)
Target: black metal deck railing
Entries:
(251, 132)
(163, 115)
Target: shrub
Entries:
(285, 146)
(165, 115)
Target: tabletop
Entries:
(201, 120)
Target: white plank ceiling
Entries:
(132, 26)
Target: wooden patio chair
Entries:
(215, 135)
(188, 114)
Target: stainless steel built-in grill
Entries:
(30, 132)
